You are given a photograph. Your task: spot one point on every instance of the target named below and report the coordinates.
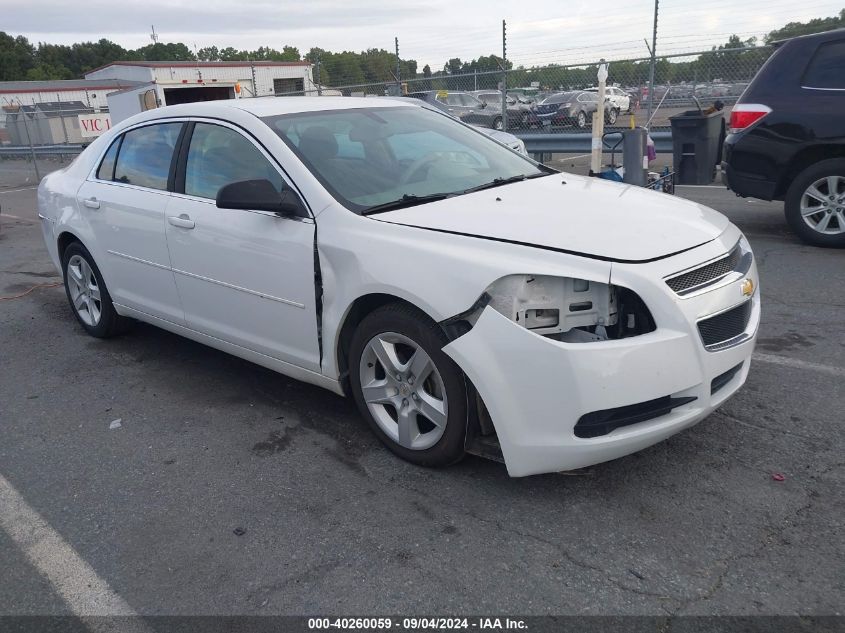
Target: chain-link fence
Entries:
(562, 98)
(554, 98)
(38, 138)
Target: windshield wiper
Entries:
(498, 182)
(407, 200)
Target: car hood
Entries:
(575, 214)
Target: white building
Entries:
(182, 82)
(91, 93)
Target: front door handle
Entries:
(91, 203)
(182, 221)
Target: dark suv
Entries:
(787, 136)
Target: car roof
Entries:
(824, 35)
(274, 106)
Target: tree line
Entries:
(735, 60)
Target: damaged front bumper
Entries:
(561, 406)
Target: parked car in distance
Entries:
(505, 138)
(453, 288)
(620, 99)
(517, 112)
(787, 136)
(464, 106)
(571, 108)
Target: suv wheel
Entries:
(612, 115)
(411, 393)
(815, 204)
(497, 124)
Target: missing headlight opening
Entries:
(570, 310)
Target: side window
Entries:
(454, 100)
(218, 156)
(145, 155)
(106, 169)
(827, 68)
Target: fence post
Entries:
(31, 149)
(504, 77)
(319, 81)
(398, 67)
(598, 122)
(653, 62)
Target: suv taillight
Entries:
(744, 115)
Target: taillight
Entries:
(744, 115)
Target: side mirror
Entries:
(260, 195)
(483, 104)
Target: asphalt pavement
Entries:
(228, 489)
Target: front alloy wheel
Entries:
(404, 391)
(409, 390)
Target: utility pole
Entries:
(653, 61)
(504, 76)
(398, 67)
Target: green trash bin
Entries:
(697, 146)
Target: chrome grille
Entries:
(707, 273)
(723, 327)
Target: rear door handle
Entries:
(182, 221)
(91, 203)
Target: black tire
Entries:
(792, 204)
(581, 119)
(415, 325)
(110, 322)
(612, 116)
(498, 124)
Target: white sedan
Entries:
(461, 293)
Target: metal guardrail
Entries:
(40, 150)
(582, 142)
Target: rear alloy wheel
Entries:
(87, 294)
(498, 124)
(612, 115)
(815, 204)
(412, 394)
(581, 120)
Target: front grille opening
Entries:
(600, 423)
(725, 326)
(723, 379)
(706, 274)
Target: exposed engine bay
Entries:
(567, 309)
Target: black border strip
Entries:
(545, 248)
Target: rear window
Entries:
(145, 155)
(827, 68)
(106, 169)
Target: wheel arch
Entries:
(802, 160)
(65, 239)
(357, 312)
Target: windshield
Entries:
(368, 157)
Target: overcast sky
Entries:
(539, 31)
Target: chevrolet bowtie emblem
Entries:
(747, 287)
